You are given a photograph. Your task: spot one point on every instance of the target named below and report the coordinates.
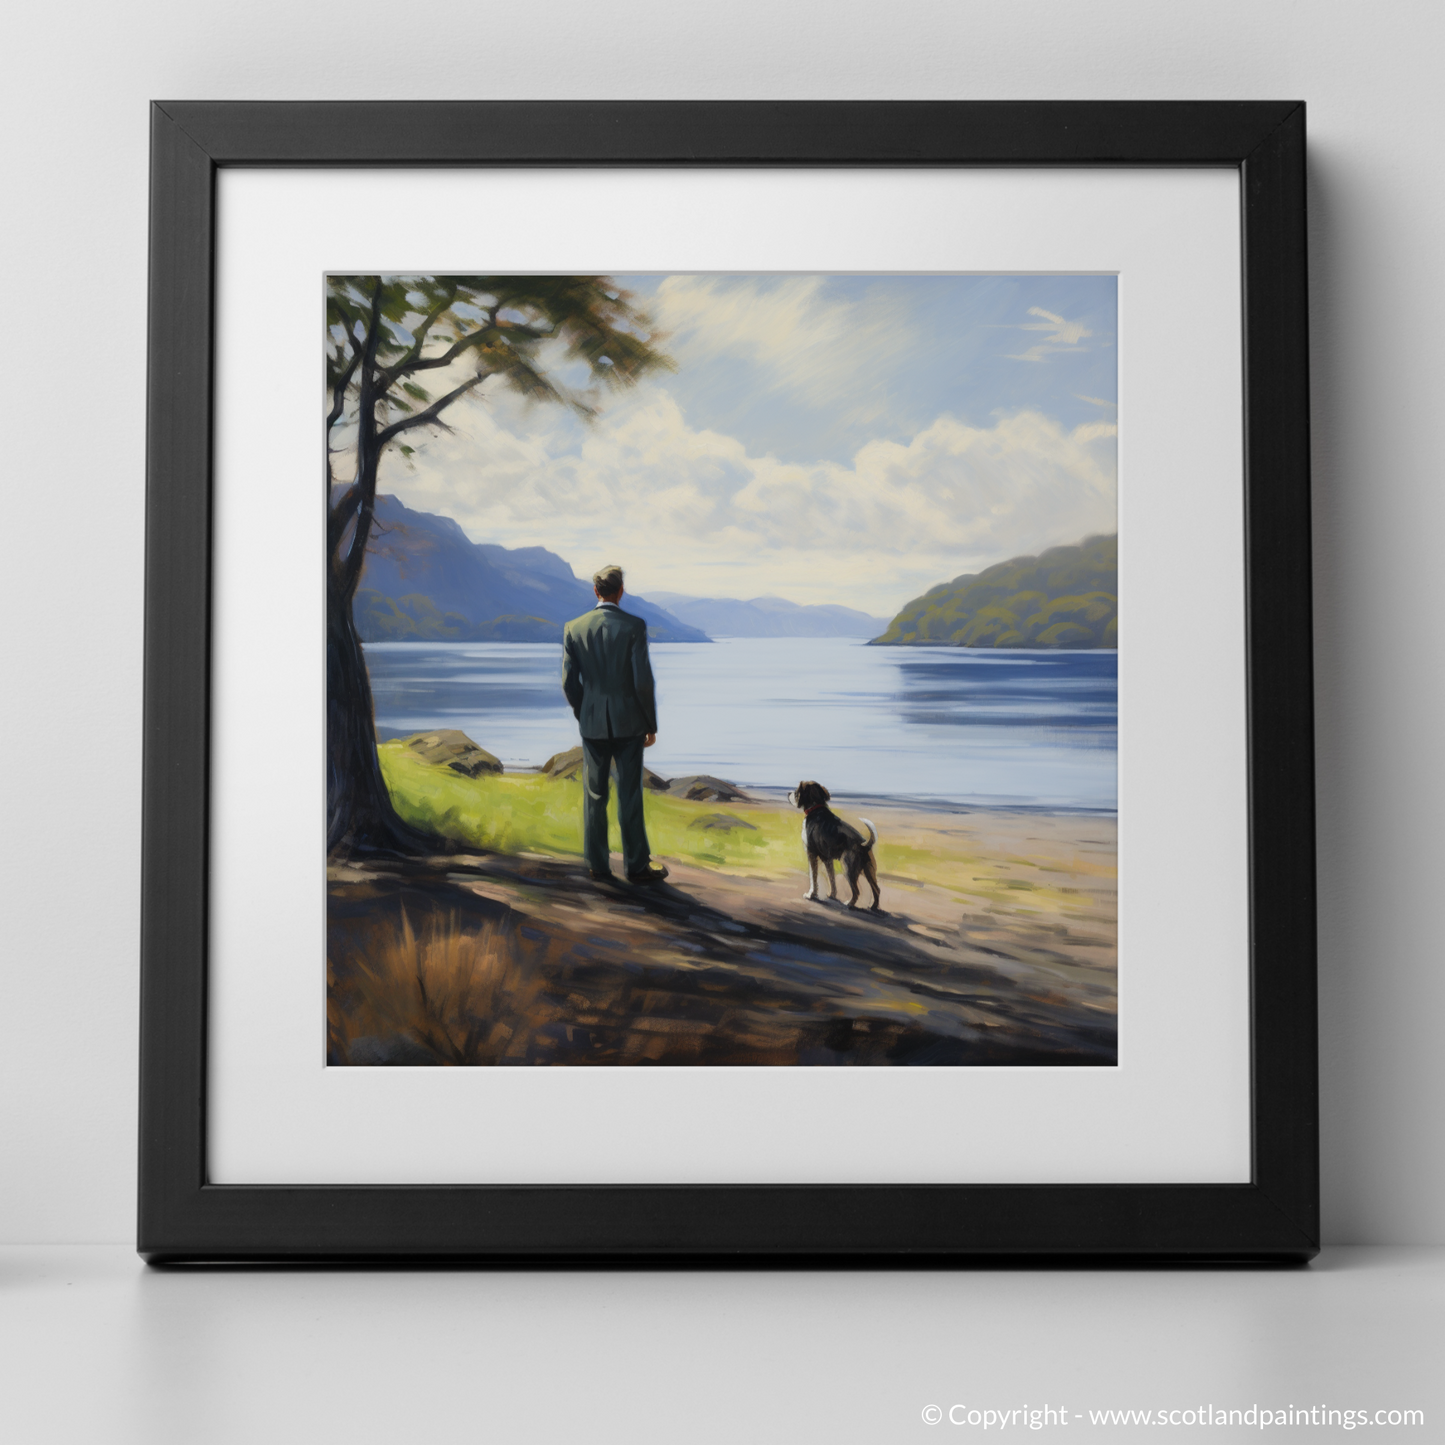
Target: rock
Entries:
(564, 765)
(701, 788)
(396, 1051)
(454, 750)
(721, 823)
(568, 767)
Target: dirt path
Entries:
(1014, 962)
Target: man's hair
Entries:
(608, 581)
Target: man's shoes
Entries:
(647, 875)
(605, 877)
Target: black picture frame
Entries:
(1274, 1217)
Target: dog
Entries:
(828, 838)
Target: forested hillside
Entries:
(1066, 597)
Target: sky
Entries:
(845, 439)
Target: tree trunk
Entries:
(360, 820)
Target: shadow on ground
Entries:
(525, 960)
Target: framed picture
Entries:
(640, 757)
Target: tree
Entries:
(384, 334)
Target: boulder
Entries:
(453, 749)
(721, 823)
(701, 788)
(568, 767)
(564, 765)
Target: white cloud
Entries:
(690, 510)
(1063, 335)
(807, 341)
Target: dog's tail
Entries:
(872, 836)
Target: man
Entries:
(607, 678)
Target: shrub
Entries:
(466, 996)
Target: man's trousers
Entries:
(599, 755)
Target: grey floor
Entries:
(94, 1347)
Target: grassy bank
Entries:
(528, 813)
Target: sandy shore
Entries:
(1007, 886)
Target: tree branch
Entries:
(431, 363)
(400, 368)
(472, 338)
(431, 414)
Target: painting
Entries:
(721, 670)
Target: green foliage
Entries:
(415, 618)
(401, 350)
(514, 628)
(409, 619)
(532, 813)
(1065, 598)
(385, 333)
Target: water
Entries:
(1005, 728)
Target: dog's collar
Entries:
(813, 809)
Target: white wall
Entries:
(78, 76)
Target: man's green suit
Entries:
(607, 678)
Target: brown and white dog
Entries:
(827, 837)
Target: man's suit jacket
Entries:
(607, 676)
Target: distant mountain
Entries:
(1066, 597)
(425, 580)
(769, 617)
